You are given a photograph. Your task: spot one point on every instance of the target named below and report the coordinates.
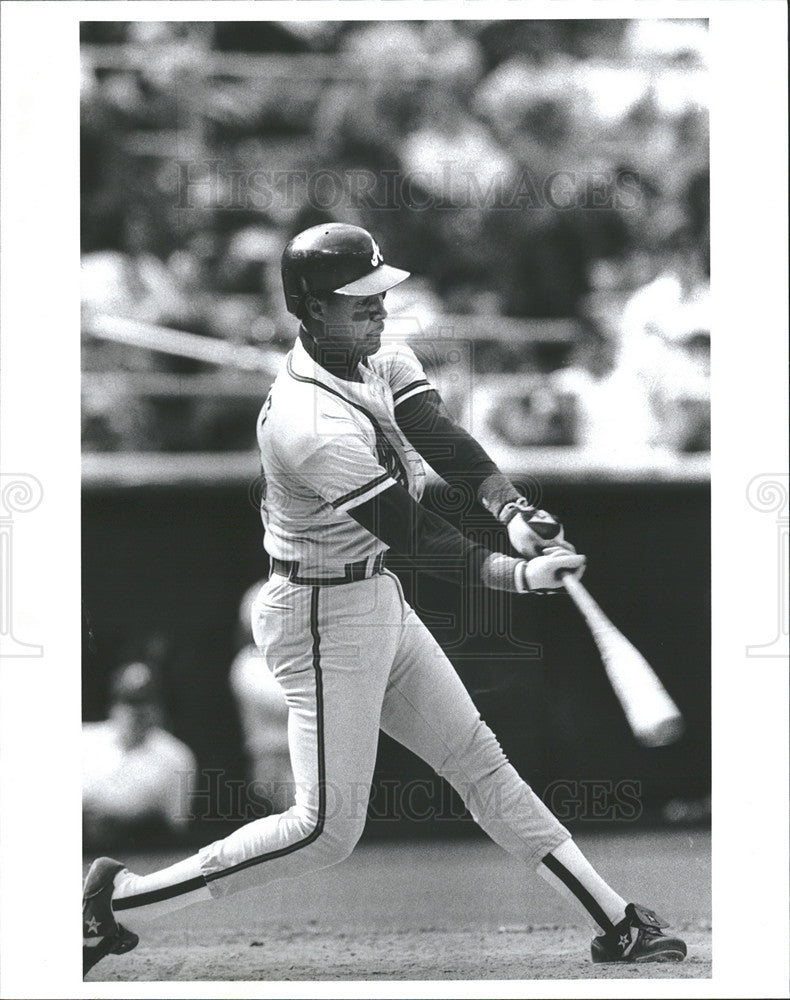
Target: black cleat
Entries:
(101, 933)
(638, 938)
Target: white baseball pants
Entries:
(352, 659)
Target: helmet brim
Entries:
(380, 280)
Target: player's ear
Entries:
(314, 307)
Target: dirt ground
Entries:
(459, 910)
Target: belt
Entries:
(361, 570)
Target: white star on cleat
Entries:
(93, 925)
(625, 940)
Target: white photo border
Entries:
(40, 436)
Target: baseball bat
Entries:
(654, 718)
(185, 345)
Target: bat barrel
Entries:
(663, 733)
(652, 715)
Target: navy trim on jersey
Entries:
(362, 489)
(588, 901)
(357, 406)
(407, 388)
(157, 895)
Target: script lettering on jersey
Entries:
(266, 407)
(390, 460)
(258, 490)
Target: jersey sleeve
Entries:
(403, 371)
(344, 471)
(428, 541)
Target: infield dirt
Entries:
(436, 910)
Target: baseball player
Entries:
(343, 434)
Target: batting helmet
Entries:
(335, 257)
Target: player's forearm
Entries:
(436, 547)
(452, 452)
(410, 530)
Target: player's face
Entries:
(355, 322)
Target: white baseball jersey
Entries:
(328, 444)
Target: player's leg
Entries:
(333, 666)
(428, 709)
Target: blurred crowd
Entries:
(141, 784)
(535, 170)
(137, 777)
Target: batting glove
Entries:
(531, 530)
(543, 574)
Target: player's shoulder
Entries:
(393, 353)
(302, 420)
(396, 361)
(301, 414)
(170, 748)
(97, 732)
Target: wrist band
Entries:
(509, 511)
(496, 492)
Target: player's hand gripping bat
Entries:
(652, 715)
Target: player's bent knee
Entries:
(338, 840)
(476, 757)
(335, 851)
